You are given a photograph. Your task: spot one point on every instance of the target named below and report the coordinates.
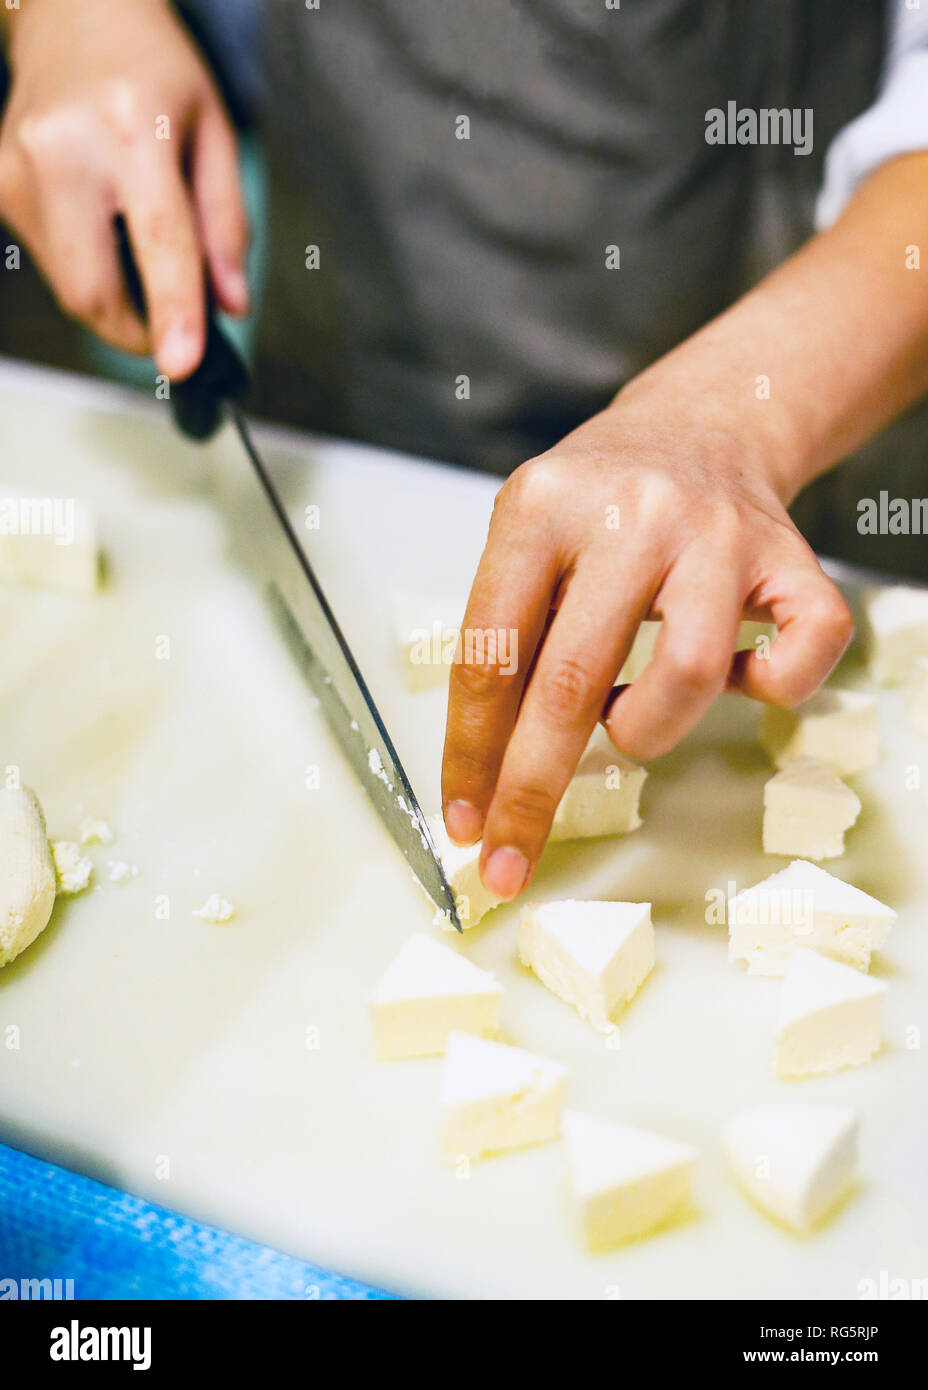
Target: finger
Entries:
(220, 208)
(585, 648)
(163, 233)
(814, 627)
(80, 258)
(700, 602)
(507, 610)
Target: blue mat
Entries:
(55, 1225)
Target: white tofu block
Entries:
(896, 622)
(625, 1181)
(830, 1016)
(603, 795)
(593, 955)
(645, 643)
(838, 726)
(804, 905)
(916, 704)
(807, 809)
(461, 866)
(427, 632)
(795, 1161)
(48, 543)
(427, 992)
(73, 870)
(496, 1097)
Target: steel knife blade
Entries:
(252, 502)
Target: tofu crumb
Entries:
(72, 869)
(215, 909)
(96, 832)
(120, 871)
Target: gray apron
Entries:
(462, 307)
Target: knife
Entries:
(200, 404)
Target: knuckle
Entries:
(121, 106)
(54, 139)
(535, 487)
(833, 618)
(694, 663)
(527, 807)
(566, 689)
(478, 680)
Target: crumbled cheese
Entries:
(72, 869)
(215, 909)
(96, 832)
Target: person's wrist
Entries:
(17, 26)
(750, 433)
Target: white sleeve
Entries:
(896, 123)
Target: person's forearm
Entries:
(839, 331)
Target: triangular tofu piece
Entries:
(427, 992)
(839, 726)
(462, 870)
(807, 809)
(626, 1181)
(496, 1097)
(593, 955)
(896, 627)
(602, 796)
(830, 1016)
(805, 905)
(796, 1161)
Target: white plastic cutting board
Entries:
(226, 1071)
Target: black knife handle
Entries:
(221, 376)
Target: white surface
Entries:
(242, 1051)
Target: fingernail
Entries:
(506, 872)
(177, 354)
(463, 822)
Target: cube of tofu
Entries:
(916, 705)
(795, 1161)
(830, 1016)
(427, 632)
(593, 955)
(428, 992)
(496, 1097)
(837, 726)
(896, 631)
(804, 905)
(461, 866)
(602, 796)
(625, 1181)
(807, 809)
(48, 543)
